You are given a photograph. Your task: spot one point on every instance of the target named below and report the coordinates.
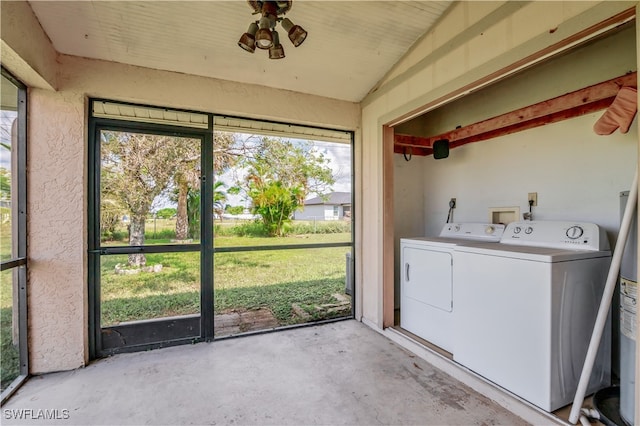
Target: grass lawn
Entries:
(9, 355)
(273, 279)
(245, 280)
(5, 240)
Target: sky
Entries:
(338, 154)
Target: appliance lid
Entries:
(448, 243)
(531, 253)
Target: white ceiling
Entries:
(350, 47)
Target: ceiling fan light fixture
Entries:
(248, 40)
(296, 33)
(264, 38)
(276, 51)
(262, 33)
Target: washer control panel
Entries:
(555, 234)
(473, 231)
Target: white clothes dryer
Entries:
(426, 305)
(525, 309)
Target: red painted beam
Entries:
(573, 104)
(537, 122)
(411, 150)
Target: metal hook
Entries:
(404, 153)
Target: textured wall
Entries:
(143, 85)
(57, 231)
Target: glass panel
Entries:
(265, 289)
(9, 351)
(8, 144)
(168, 286)
(149, 190)
(275, 191)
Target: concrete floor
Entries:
(337, 373)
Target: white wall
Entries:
(316, 212)
(577, 174)
(574, 171)
(319, 212)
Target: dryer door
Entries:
(427, 277)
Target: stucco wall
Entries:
(142, 85)
(473, 40)
(57, 231)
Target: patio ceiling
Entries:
(350, 47)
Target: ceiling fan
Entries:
(262, 33)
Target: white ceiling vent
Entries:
(155, 115)
(293, 131)
(145, 114)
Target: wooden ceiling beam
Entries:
(573, 104)
(411, 150)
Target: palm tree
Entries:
(219, 198)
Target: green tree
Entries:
(219, 198)
(235, 210)
(137, 168)
(227, 149)
(110, 214)
(281, 174)
(275, 204)
(193, 207)
(166, 213)
(5, 184)
(193, 213)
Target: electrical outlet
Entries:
(533, 196)
(452, 203)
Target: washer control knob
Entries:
(489, 230)
(575, 232)
(456, 228)
(517, 230)
(528, 230)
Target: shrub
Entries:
(160, 234)
(321, 227)
(246, 229)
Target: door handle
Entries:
(406, 270)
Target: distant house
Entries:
(333, 206)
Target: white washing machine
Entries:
(426, 305)
(525, 309)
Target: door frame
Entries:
(163, 332)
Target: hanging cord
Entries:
(405, 154)
(452, 205)
(530, 210)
